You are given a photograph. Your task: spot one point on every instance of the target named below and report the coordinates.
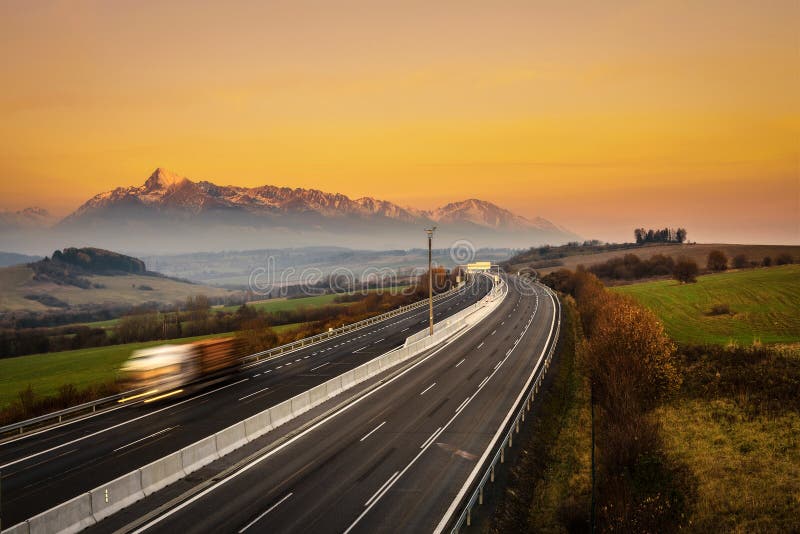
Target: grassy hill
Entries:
(17, 283)
(697, 252)
(763, 304)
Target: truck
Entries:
(169, 369)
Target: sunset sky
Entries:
(600, 116)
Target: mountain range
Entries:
(169, 212)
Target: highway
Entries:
(393, 460)
(44, 469)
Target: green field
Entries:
(763, 303)
(84, 367)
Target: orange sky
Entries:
(601, 116)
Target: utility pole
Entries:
(430, 276)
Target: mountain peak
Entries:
(162, 180)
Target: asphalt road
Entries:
(395, 459)
(43, 470)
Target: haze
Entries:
(599, 116)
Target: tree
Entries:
(784, 259)
(685, 271)
(740, 261)
(717, 261)
(639, 234)
(680, 235)
(767, 261)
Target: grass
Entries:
(284, 304)
(747, 470)
(84, 367)
(17, 281)
(764, 306)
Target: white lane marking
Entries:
(171, 406)
(359, 350)
(257, 374)
(257, 519)
(501, 324)
(371, 431)
(306, 357)
(256, 393)
(461, 407)
(431, 438)
(298, 359)
(268, 371)
(144, 438)
(462, 361)
(381, 339)
(313, 353)
(493, 332)
(479, 346)
(381, 488)
(323, 365)
(483, 382)
(406, 328)
(427, 388)
(279, 367)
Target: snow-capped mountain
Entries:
(169, 212)
(27, 218)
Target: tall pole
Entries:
(430, 278)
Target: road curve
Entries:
(394, 460)
(45, 469)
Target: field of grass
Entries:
(763, 303)
(16, 282)
(284, 304)
(84, 367)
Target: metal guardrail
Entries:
(324, 336)
(90, 407)
(476, 497)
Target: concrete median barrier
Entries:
(71, 516)
(361, 373)
(19, 528)
(318, 394)
(300, 404)
(333, 386)
(162, 473)
(257, 425)
(199, 453)
(231, 438)
(116, 495)
(348, 379)
(280, 413)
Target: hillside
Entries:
(90, 277)
(763, 306)
(697, 252)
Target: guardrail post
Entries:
(491, 476)
(517, 429)
(503, 454)
(480, 495)
(469, 517)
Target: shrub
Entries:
(717, 261)
(720, 309)
(784, 259)
(767, 261)
(740, 261)
(685, 271)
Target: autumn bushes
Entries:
(631, 369)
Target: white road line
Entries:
(381, 488)
(479, 346)
(171, 406)
(493, 332)
(462, 361)
(463, 404)
(256, 393)
(144, 438)
(371, 431)
(381, 339)
(279, 367)
(483, 382)
(406, 328)
(359, 350)
(431, 438)
(257, 374)
(298, 359)
(257, 519)
(323, 365)
(427, 388)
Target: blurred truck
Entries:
(171, 368)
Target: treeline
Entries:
(683, 269)
(631, 366)
(664, 235)
(196, 317)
